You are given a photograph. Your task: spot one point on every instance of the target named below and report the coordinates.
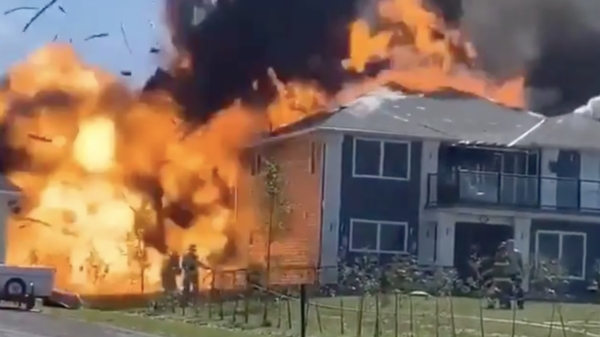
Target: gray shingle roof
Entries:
(444, 116)
(454, 117)
(577, 130)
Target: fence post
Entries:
(303, 310)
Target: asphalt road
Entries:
(15, 323)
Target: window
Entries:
(566, 248)
(368, 236)
(381, 159)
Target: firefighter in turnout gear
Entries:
(191, 278)
(516, 273)
(190, 263)
(169, 272)
(505, 282)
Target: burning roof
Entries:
(442, 115)
(456, 117)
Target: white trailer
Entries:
(18, 283)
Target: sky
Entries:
(142, 20)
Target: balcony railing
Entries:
(464, 188)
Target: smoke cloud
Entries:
(555, 44)
(232, 49)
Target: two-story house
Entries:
(438, 175)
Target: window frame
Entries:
(378, 223)
(382, 143)
(561, 235)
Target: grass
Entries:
(415, 317)
(160, 327)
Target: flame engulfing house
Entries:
(436, 175)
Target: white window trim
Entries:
(561, 234)
(378, 223)
(382, 143)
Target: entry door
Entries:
(485, 238)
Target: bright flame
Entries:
(92, 155)
(422, 54)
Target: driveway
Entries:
(33, 324)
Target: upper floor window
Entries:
(369, 236)
(381, 159)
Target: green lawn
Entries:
(325, 319)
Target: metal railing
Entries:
(512, 190)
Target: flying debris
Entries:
(38, 14)
(26, 8)
(96, 36)
(125, 40)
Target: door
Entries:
(485, 238)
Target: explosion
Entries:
(114, 179)
(97, 162)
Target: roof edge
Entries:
(274, 139)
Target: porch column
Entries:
(427, 234)
(445, 240)
(522, 228)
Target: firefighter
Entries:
(190, 263)
(516, 273)
(498, 283)
(474, 278)
(169, 272)
(191, 278)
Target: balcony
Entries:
(484, 189)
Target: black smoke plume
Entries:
(233, 47)
(554, 43)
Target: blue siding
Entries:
(592, 231)
(379, 199)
